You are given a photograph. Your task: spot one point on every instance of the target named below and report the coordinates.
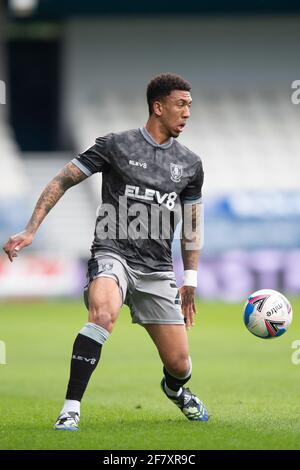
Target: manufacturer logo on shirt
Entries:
(138, 164)
(176, 172)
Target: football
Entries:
(267, 313)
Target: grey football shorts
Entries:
(152, 297)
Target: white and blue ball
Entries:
(267, 313)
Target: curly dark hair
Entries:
(162, 85)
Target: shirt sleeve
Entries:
(96, 158)
(192, 193)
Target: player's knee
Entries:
(102, 316)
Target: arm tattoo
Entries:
(69, 176)
(190, 239)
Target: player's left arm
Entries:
(191, 200)
(190, 252)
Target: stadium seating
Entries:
(13, 182)
(243, 122)
(247, 142)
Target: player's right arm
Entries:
(69, 176)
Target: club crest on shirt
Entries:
(176, 172)
(106, 266)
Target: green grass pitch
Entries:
(250, 385)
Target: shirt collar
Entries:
(148, 137)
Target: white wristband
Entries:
(190, 278)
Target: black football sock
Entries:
(175, 383)
(85, 357)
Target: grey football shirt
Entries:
(143, 186)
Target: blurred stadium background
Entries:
(71, 71)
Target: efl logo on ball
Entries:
(267, 313)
